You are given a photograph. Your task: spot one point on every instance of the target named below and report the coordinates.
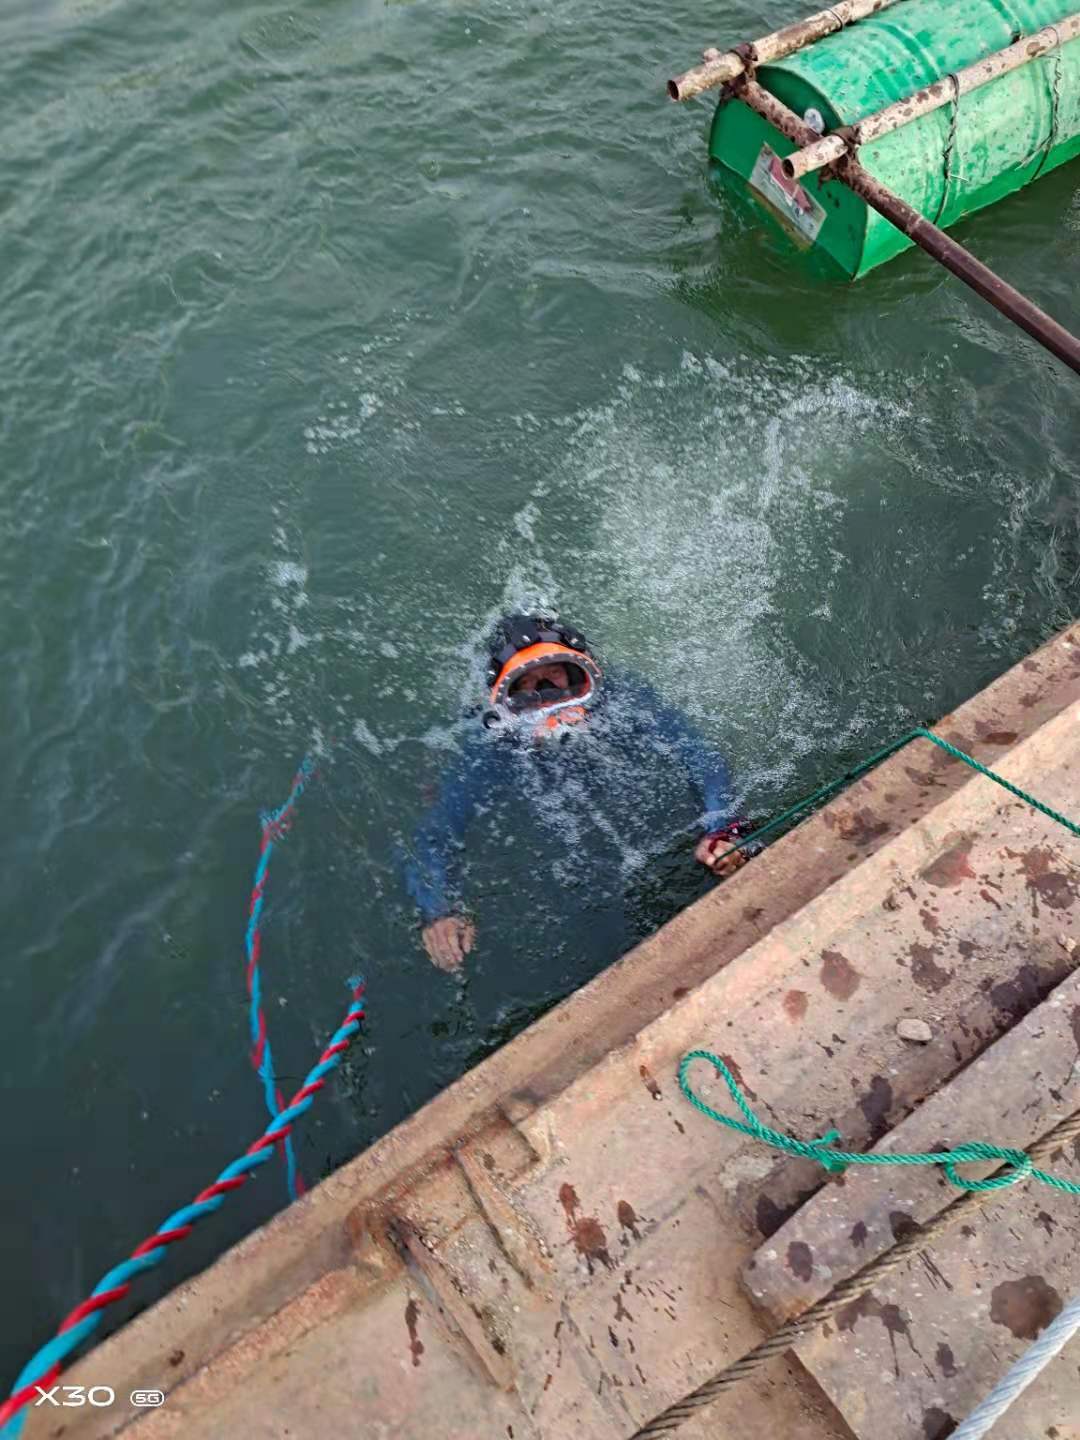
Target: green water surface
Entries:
(327, 333)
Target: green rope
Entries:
(837, 1161)
(849, 775)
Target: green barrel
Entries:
(946, 164)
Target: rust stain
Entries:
(937, 1423)
(875, 1106)
(991, 736)
(946, 1360)
(858, 1234)
(957, 738)
(416, 1345)
(548, 1380)
(862, 827)
(800, 1260)
(921, 777)
(838, 975)
(1018, 995)
(627, 1219)
(795, 1004)
(650, 1083)
(591, 1242)
(868, 1306)
(926, 974)
(952, 866)
(930, 921)
(737, 1076)
(1025, 1307)
(1053, 887)
(586, 1232)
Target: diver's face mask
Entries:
(545, 708)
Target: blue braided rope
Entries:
(273, 825)
(58, 1349)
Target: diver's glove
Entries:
(712, 847)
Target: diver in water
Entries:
(553, 719)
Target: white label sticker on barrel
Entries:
(791, 201)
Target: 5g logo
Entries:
(99, 1395)
(144, 1398)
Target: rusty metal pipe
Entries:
(977, 276)
(721, 67)
(939, 246)
(827, 149)
(790, 125)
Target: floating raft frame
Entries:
(864, 131)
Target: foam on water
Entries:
(714, 486)
(696, 523)
(664, 520)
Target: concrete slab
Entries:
(918, 1353)
(586, 1229)
(635, 1183)
(1014, 1092)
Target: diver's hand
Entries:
(449, 940)
(710, 853)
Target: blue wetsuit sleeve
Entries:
(432, 874)
(707, 770)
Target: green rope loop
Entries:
(836, 1161)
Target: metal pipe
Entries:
(939, 246)
(720, 68)
(827, 149)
